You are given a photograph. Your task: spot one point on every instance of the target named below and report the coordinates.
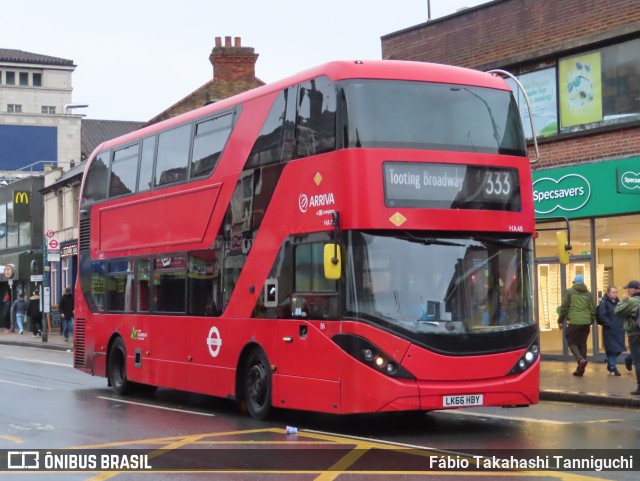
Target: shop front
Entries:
(601, 200)
(16, 273)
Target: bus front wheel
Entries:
(257, 384)
(118, 367)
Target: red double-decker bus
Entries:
(355, 238)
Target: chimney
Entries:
(232, 63)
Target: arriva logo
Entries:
(319, 200)
(630, 180)
(568, 193)
(303, 202)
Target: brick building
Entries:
(579, 61)
(234, 72)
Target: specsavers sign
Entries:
(588, 190)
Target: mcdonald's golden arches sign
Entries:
(21, 206)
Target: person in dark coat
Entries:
(66, 313)
(612, 329)
(5, 317)
(35, 314)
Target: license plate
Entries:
(463, 400)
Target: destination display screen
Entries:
(451, 186)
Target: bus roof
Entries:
(336, 70)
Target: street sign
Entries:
(9, 271)
(36, 277)
(53, 248)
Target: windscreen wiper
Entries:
(430, 241)
(501, 242)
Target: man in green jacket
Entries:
(629, 310)
(579, 309)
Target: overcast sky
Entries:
(135, 58)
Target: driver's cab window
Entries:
(298, 288)
(314, 295)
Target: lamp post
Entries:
(45, 323)
(68, 107)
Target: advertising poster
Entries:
(580, 88)
(540, 87)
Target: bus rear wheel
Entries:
(257, 385)
(118, 367)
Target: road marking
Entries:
(154, 406)
(13, 439)
(330, 473)
(36, 361)
(524, 419)
(499, 416)
(25, 385)
(154, 454)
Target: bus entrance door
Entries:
(307, 373)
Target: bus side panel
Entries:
(305, 350)
(295, 392)
(203, 352)
(193, 207)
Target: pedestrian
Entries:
(66, 313)
(612, 329)
(20, 310)
(5, 316)
(579, 310)
(35, 314)
(629, 310)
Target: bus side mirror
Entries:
(563, 247)
(332, 261)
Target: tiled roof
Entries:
(212, 91)
(18, 56)
(71, 175)
(94, 132)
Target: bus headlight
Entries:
(527, 360)
(371, 355)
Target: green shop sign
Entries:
(588, 190)
(628, 181)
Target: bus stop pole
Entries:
(43, 296)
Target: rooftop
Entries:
(19, 56)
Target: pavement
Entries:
(557, 383)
